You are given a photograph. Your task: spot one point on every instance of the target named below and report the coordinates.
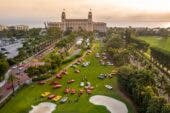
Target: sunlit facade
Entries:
(78, 24)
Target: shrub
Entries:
(42, 77)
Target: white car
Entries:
(109, 87)
(64, 99)
(81, 84)
(88, 84)
(97, 55)
(109, 64)
(85, 64)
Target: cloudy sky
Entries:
(150, 13)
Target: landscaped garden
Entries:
(77, 102)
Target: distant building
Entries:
(11, 28)
(168, 29)
(19, 27)
(22, 27)
(78, 24)
(156, 30)
(3, 27)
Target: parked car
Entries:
(64, 99)
(81, 84)
(101, 76)
(97, 55)
(85, 64)
(109, 87)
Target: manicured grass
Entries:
(156, 41)
(30, 95)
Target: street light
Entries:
(13, 89)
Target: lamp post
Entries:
(13, 89)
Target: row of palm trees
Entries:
(36, 43)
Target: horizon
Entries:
(122, 13)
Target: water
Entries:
(12, 49)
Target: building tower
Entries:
(63, 15)
(90, 15)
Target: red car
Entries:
(63, 72)
(58, 76)
(81, 91)
(91, 88)
(51, 96)
(57, 86)
(70, 81)
(55, 83)
(67, 90)
(89, 91)
(9, 86)
(42, 82)
(73, 91)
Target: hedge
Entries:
(141, 44)
(161, 56)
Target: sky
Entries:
(144, 13)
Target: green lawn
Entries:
(163, 43)
(30, 95)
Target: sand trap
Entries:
(45, 107)
(113, 105)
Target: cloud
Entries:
(110, 11)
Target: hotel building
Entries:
(78, 24)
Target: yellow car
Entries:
(45, 94)
(56, 98)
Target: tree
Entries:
(3, 68)
(156, 104)
(55, 61)
(68, 31)
(115, 46)
(34, 32)
(54, 32)
(140, 44)
(2, 56)
(166, 108)
(161, 56)
(37, 71)
(140, 85)
(115, 42)
(167, 91)
(119, 56)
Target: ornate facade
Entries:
(78, 24)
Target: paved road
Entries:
(28, 61)
(20, 76)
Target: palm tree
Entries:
(167, 91)
(162, 81)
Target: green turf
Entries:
(156, 41)
(30, 95)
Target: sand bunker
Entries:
(45, 107)
(113, 105)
